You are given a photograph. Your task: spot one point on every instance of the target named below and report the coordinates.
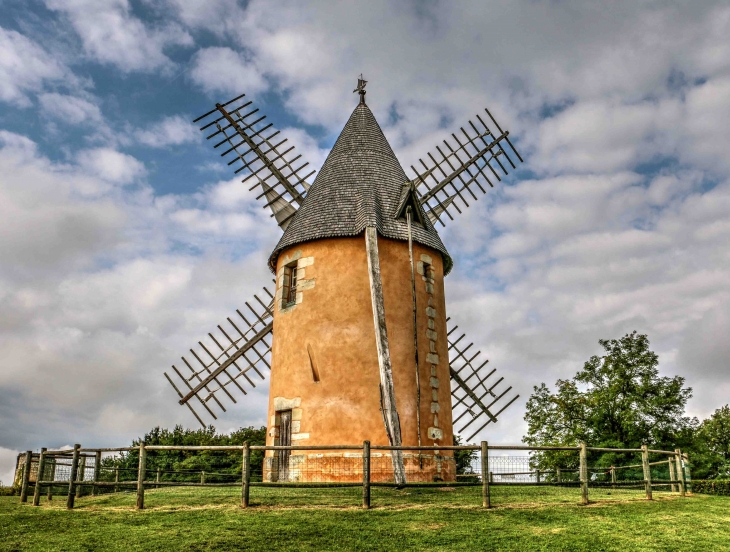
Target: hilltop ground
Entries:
(410, 519)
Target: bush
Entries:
(711, 486)
(9, 491)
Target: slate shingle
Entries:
(359, 185)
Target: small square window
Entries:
(289, 296)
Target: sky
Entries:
(124, 239)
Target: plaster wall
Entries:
(330, 332)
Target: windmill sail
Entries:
(470, 161)
(229, 362)
(256, 149)
(475, 395)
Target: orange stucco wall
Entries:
(333, 323)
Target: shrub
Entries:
(711, 486)
(9, 491)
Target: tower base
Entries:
(347, 467)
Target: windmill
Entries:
(353, 335)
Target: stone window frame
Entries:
(289, 294)
(293, 261)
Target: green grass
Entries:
(525, 518)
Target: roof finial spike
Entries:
(361, 89)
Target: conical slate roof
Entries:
(361, 184)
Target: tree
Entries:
(186, 464)
(711, 454)
(463, 458)
(617, 400)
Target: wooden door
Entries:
(284, 441)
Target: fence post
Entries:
(116, 479)
(687, 472)
(366, 474)
(202, 476)
(613, 474)
(491, 477)
(486, 498)
(39, 477)
(26, 476)
(245, 474)
(559, 475)
(157, 478)
(140, 475)
(72, 481)
(97, 471)
(583, 474)
(82, 474)
(680, 472)
(53, 478)
(537, 475)
(647, 470)
(672, 474)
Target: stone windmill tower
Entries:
(355, 335)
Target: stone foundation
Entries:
(347, 467)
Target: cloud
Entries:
(69, 109)
(24, 67)
(226, 71)
(104, 285)
(44, 220)
(8, 458)
(619, 220)
(170, 131)
(111, 34)
(111, 165)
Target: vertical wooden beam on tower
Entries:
(390, 414)
(415, 335)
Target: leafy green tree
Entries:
(183, 465)
(711, 454)
(463, 458)
(617, 400)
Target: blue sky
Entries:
(124, 240)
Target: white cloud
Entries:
(8, 458)
(42, 221)
(222, 70)
(708, 134)
(24, 67)
(98, 296)
(110, 33)
(595, 243)
(69, 109)
(170, 131)
(111, 165)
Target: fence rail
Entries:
(358, 465)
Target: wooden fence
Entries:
(676, 461)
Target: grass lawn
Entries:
(534, 518)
